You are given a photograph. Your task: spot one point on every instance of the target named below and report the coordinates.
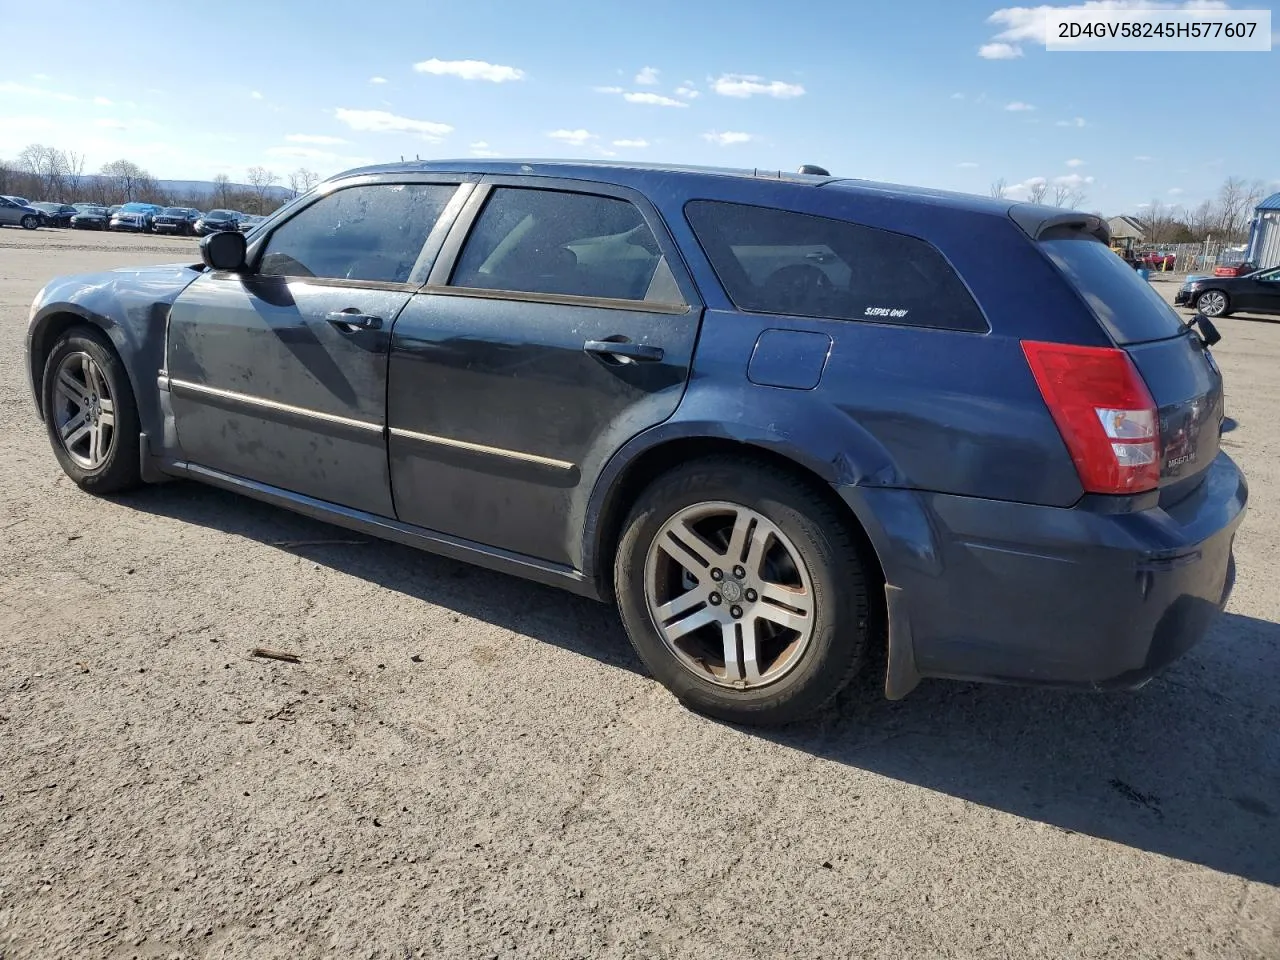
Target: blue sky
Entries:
(946, 93)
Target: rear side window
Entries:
(1123, 302)
(570, 244)
(776, 261)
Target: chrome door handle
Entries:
(353, 319)
(623, 351)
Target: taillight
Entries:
(1104, 412)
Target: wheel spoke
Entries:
(744, 526)
(700, 618)
(750, 662)
(73, 425)
(757, 548)
(782, 617)
(729, 634)
(797, 598)
(71, 389)
(95, 444)
(105, 404)
(80, 433)
(681, 604)
(688, 550)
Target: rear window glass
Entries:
(1125, 304)
(776, 261)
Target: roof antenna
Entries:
(814, 170)
(418, 158)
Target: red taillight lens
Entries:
(1104, 412)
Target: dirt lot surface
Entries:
(467, 765)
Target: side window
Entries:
(374, 232)
(574, 244)
(775, 261)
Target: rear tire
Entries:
(85, 385)
(779, 581)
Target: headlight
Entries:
(35, 305)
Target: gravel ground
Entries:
(467, 765)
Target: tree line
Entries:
(41, 172)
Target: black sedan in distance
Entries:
(88, 217)
(179, 220)
(55, 214)
(1257, 292)
(215, 221)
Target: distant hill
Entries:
(207, 188)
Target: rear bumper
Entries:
(1007, 592)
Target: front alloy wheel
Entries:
(729, 594)
(1212, 303)
(84, 412)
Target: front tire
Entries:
(90, 413)
(1214, 303)
(30, 222)
(743, 591)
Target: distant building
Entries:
(1264, 233)
(1127, 227)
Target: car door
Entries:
(10, 212)
(1259, 292)
(560, 327)
(278, 374)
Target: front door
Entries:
(279, 374)
(1260, 292)
(559, 331)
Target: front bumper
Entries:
(1182, 298)
(1009, 592)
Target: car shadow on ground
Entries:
(1188, 767)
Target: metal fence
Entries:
(1188, 257)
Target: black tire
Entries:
(825, 543)
(1213, 312)
(30, 222)
(121, 469)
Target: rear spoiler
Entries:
(1050, 223)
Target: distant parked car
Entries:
(249, 222)
(1218, 296)
(136, 217)
(1239, 269)
(215, 221)
(55, 214)
(90, 217)
(20, 201)
(1157, 261)
(13, 214)
(114, 209)
(179, 220)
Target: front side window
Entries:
(567, 244)
(777, 261)
(373, 233)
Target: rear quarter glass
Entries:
(1124, 303)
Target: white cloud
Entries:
(687, 91)
(1018, 107)
(957, 96)
(1073, 122)
(102, 101)
(481, 149)
(609, 89)
(377, 79)
(19, 89)
(470, 70)
(634, 144)
(109, 123)
(966, 164)
(318, 158)
(647, 77)
(728, 138)
(1143, 206)
(1030, 24)
(1176, 191)
(999, 51)
(575, 138)
(1073, 180)
(653, 99)
(1075, 162)
(606, 153)
(1143, 158)
(255, 95)
(42, 77)
(318, 139)
(380, 121)
(1022, 191)
(480, 145)
(744, 85)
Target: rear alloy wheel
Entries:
(742, 590)
(90, 413)
(30, 222)
(1213, 303)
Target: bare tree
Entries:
(262, 180)
(1067, 196)
(127, 181)
(1036, 189)
(1232, 210)
(73, 172)
(999, 189)
(302, 180)
(48, 165)
(222, 189)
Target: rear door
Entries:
(279, 374)
(558, 323)
(1178, 368)
(1259, 292)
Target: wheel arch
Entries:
(52, 326)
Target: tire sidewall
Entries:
(840, 605)
(30, 222)
(121, 469)
(1226, 303)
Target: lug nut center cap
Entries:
(731, 590)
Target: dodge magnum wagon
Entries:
(783, 421)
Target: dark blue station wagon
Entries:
(784, 421)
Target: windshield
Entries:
(219, 215)
(47, 207)
(94, 211)
(174, 212)
(1125, 303)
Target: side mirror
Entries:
(224, 250)
(1208, 332)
